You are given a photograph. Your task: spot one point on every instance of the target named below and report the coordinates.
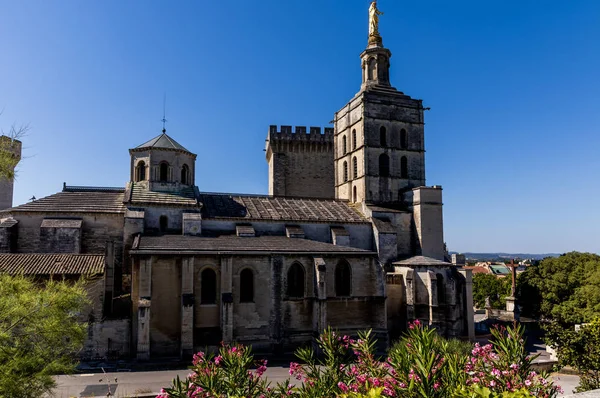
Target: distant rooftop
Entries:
(162, 141)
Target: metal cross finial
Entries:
(164, 120)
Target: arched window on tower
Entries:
(163, 172)
(208, 287)
(295, 281)
(441, 293)
(185, 175)
(353, 139)
(354, 168)
(344, 145)
(140, 171)
(246, 286)
(384, 165)
(345, 171)
(343, 279)
(163, 223)
(382, 137)
(404, 167)
(403, 139)
(372, 69)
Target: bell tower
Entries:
(379, 135)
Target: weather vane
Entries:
(164, 119)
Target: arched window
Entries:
(208, 287)
(345, 171)
(384, 165)
(441, 295)
(295, 281)
(354, 195)
(343, 279)
(382, 137)
(185, 175)
(344, 145)
(140, 171)
(163, 223)
(246, 286)
(404, 167)
(354, 167)
(163, 172)
(353, 139)
(403, 139)
(371, 69)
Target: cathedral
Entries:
(349, 236)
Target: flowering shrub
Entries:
(421, 364)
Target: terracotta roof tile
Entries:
(278, 208)
(232, 243)
(45, 264)
(75, 202)
(141, 195)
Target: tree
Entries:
(487, 285)
(579, 349)
(8, 158)
(40, 333)
(565, 289)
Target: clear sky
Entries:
(513, 86)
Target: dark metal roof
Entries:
(162, 141)
(89, 201)
(141, 195)
(233, 243)
(274, 208)
(46, 264)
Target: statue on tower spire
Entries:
(374, 13)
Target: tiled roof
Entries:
(185, 197)
(45, 264)
(421, 261)
(232, 243)
(7, 222)
(75, 202)
(277, 208)
(384, 226)
(162, 141)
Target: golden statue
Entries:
(374, 14)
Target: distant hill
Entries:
(506, 256)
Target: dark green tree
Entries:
(565, 289)
(487, 285)
(40, 333)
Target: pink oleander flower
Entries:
(218, 360)
(198, 358)
(389, 392)
(343, 387)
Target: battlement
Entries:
(300, 134)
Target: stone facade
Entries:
(349, 237)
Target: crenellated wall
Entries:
(300, 162)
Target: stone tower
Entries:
(378, 136)
(300, 162)
(13, 147)
(162, 164)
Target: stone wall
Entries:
(270, 318)
(300, 163)
(108, 339)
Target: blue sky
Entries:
(512, 135)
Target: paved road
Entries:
(132, 383)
